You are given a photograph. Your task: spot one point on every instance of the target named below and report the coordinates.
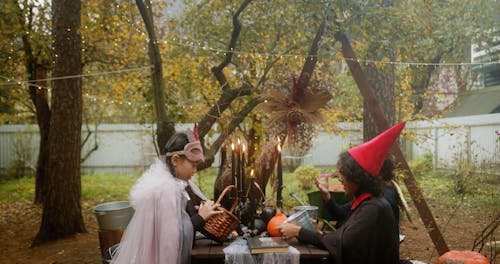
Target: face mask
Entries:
(192, 150)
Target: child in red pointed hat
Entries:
(370, 232)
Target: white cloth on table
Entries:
(238, 252)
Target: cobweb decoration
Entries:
(300, 107)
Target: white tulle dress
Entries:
(160, 230)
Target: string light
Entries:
(190, 44)
(107, 101)
(10, 82)
(419, 64)
(91, 98)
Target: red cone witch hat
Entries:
(371, 154)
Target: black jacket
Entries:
(368, 235)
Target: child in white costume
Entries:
(161, 231)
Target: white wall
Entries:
(121, 148)
(327, 148)
(127, 148)
(475, 138)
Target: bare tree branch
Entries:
(312, 57)
(237, 119)
(96, 146)
(228, 95)
(165, 127)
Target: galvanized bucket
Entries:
(114, 215)
(301, 218)
(311, 210)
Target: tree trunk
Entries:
(420, 84)
(379, 117)
(39, 97)
(62, 215)
(227, 97)
(382, 82)
(383, 86)
(165, 128)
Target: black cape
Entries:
(369, 235)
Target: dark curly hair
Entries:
(387, 170)
(175, 143)
(353, 172)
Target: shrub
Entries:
(305, 175)
(422, 165)
(22, 149)
(16, 170)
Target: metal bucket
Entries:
(114, 215)
(311, 210)
(301, 218)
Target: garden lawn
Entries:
(460, 217)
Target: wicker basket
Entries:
(220, 225)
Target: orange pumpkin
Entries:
(465, 257)
(276, 221)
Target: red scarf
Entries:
(359, 199)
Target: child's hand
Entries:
(208, 209)
(289, 230)
(322, 185)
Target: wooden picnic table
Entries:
(208, 251)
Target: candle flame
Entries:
(232, 146)
(244, 148)
(239, 141)
(251, 173)
(279, 148)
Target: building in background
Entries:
(484, 96)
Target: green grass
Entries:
(22, 189)
(438, 188)
(96, 188)
(205, 179)
(99, 188)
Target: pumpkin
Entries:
(276, 221)
(465, 257)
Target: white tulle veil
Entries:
(154, 234)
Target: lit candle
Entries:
(233, 169)
(279, 199)
(238, 167)
(243, 161)
(251, 197)
(252, 180)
